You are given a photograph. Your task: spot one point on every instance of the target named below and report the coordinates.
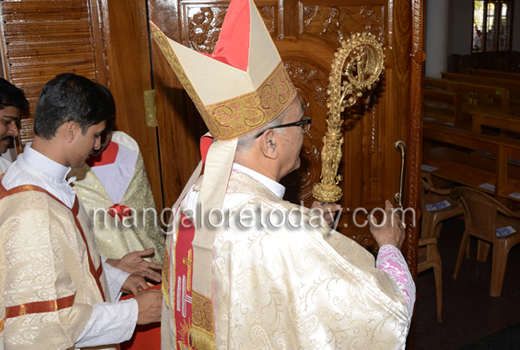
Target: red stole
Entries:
(183, 296)
(189, 325)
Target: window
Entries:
(492, 25)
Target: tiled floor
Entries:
(468, 312)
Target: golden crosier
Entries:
(363, 60)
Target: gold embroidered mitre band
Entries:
(242, 86)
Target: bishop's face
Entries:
(9, 119)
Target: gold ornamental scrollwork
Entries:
(356, 68)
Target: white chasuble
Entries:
(282, 279)
(134, 226)
(50, 270)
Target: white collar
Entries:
(272, 185)
(44, 163)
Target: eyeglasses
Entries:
(305, 123)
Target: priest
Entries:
(57, 293)
(12, 104)
(114, 189)
(247, 269)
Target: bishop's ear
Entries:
(268, 144)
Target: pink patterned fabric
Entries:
(392, 262)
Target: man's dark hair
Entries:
(10, 95)
(110, 123)
(70, 97)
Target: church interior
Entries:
(449, 90)
(476, 314)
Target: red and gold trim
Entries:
(172, 59)
(202, 331)
(230, 119)
(182, 301)
(37, 307)
(193, 312)
(75, 210)
(96, 273)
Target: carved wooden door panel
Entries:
(307, 34)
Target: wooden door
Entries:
(307, 33)
(43, 38)
(108, 42)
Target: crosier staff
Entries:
(363, 58)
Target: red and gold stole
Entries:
(192, 312)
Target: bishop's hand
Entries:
(391, 231)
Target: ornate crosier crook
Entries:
(363, 58)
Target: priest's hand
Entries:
(150, 306)
(329, 210)
(134, 284)
(392, 232)
(134, 264)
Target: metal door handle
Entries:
(398, 197)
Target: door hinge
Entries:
(150, 109)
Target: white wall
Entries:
(460, 27)
(437, 37)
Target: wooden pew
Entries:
(495, 120)
(443, 106)
(512, 85)
(452, 152)
(497, 74)
(472, 92)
